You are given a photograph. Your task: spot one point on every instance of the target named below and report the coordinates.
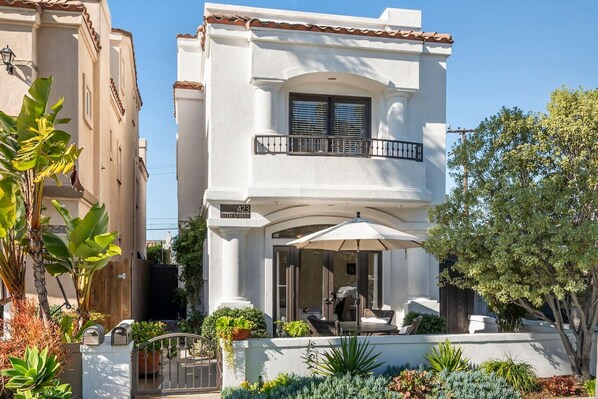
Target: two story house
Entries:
(93, 68)
(289, 122)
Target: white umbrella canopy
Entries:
(355, 235)
(358, 234)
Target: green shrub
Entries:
(520, 376)
(143, 331)
(192, 324)
(473, 385)
(294, 329)
(336, 387)
(254, 315)
(447, 358)
(590, 386)
(430, 324)
(509, 317)
(351, 357)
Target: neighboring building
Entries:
(289, 122)
(93, 67)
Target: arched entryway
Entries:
(321, 283)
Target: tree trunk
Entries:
(39, 273)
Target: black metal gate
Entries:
(176, 364)
(163, 280)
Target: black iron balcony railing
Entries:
(337, 146)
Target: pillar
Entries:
(233, 266)
(265, 105)
(396, 114)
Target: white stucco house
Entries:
(289, 122)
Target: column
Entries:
(396, 114)
(265, 105)
(233, 266)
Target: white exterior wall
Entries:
(248, 75)
(269, 357)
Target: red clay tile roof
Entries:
(61, 5)
(186, 84)
(249, 22)
(130, 36)
(186, 36)
(119, 102)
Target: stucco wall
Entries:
(269, 357)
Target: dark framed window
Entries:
(321, 115)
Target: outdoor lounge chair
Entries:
(411, 329)
(381, 314)
(322, 328)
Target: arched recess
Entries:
(308, 216)
(360, 77)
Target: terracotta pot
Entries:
(241, 333)
(149, 362)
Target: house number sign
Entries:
(240, 211)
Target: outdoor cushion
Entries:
(381, 320)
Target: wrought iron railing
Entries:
(337, 146)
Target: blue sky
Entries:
(506, 53)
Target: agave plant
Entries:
(447, 358)
(352, 357)
(34, 376)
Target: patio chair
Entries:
(411, 329)
(378, 313)
(322, 328)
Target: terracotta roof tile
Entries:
(130, 36)
(186, 84)
(61, 5)
(119, 102)
(249, 22)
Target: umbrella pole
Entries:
(358, 296)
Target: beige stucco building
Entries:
(93, 67)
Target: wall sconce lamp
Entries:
(7, 58)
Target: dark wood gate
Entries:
(163, 284)
(456, 304)
(176, 364)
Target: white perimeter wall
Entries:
(270, 357)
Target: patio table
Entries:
(365, 328)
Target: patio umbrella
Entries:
(355, 235)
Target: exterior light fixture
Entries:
(7, 58)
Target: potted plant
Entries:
(149, 353)
(293, 329)
(231, 329)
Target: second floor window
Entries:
(320, 115)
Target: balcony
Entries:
(337, 146)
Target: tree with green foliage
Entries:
(188, 249)
(525, 230)
(31, 151)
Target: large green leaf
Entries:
(34, 106)
(57, 269)
(95, 222)
(66, 216)
(55, 245)
(8, 205)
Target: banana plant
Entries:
(32, 150)
(86, 249)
